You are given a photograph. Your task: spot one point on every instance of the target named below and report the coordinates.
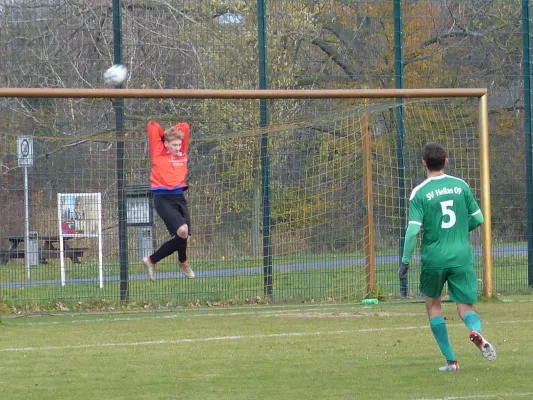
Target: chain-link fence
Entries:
(215, 44)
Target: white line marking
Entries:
(209, 339)
(222, 338)
(481, 396)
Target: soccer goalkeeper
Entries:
(168, 150)
(445, 206)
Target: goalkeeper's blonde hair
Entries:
(173, 134)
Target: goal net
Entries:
(311, 207)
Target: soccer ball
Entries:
(115, 74)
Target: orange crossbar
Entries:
(240, 94)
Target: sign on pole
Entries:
(25, 151)
(25, 160)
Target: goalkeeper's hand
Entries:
(402, 271)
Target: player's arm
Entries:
(186, 129)
(474, 220)
(411, 236)
(475, 216)
(416, 216)
(155, 137)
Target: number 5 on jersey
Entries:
(447, 210)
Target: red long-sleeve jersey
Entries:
(169, 172)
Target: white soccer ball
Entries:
(116, 74)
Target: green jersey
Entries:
(442, 205)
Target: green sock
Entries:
(438, 327)
(472, 321)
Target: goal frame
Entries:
(479, 93)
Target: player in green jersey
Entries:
(445, 206)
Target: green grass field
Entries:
(321, 352)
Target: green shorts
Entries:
(462, 283)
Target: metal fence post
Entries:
(121, 184)
(526, 48)
(265, 160)
(400, 130)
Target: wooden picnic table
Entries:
(49, 249)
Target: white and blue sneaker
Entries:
(451, 366)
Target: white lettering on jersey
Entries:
(439, 192)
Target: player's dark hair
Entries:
(434, 156)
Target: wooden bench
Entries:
(49, 249)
